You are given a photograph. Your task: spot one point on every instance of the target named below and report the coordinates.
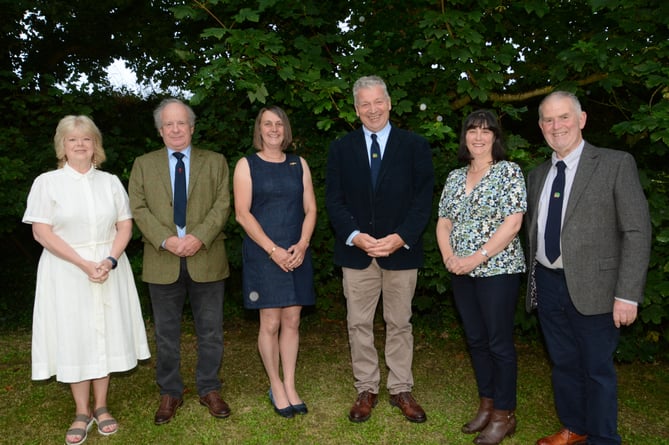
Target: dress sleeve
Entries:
(449, 195)
(121, 200)
(514, 195)
(40, 205)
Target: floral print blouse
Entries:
(475, 217)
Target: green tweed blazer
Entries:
(207, 211)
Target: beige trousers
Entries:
(362, 289)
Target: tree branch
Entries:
(202, 6)
(520, 97)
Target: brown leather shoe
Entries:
(502, 424)
(482, 418)
(217, 407)
(563, 437)
(410, 408)
(362, 408)
(167, 409)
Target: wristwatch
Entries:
(113, 261)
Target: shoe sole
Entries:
(359, 419)
(419, 420)
(215, 414)
(416, 420)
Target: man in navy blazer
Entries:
(378, 228)
(597, 280)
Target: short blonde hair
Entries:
(85, 124)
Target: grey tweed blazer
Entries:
(606, 232)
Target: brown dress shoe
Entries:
(167, 409)
(563, 437)
(217, 407)
(410, 408)
(362, 408)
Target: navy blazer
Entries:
(401, 203)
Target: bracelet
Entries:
(113, 261)
(271, 252)
(484, 252)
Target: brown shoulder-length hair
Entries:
(287, 132)
(481, 119)
(85, 124)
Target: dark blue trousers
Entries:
(581, 349)
(487, 306)
(206, 300)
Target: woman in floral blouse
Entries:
(480, 213)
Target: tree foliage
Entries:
(440, 58)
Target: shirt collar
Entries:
(71, 171)
(571, 160)
(186, 152)
(381, 134)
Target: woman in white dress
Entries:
(87, 319)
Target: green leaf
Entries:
(247, 14)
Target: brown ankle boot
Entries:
(481, 419)
(502, 424)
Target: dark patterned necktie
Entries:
(375, 163)
(179, 191)
(554, 218)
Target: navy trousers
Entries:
(167, 302)
(581, 349)
(487, 306)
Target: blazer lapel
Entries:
(361, 157)
(584, 173)
(391, 151)
(164, 174)
(195, 168)
(535, 198)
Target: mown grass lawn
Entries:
(40, 412)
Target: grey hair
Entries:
(562, 95)
(157, 113)
(368, 82)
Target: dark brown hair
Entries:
(481, 119)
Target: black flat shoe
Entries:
(286, 412)
(300, 408)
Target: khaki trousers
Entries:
(362, 289)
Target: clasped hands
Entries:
(462, 265)
(97, 272)
(187, 246)
(378, 247)
(289, 259)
